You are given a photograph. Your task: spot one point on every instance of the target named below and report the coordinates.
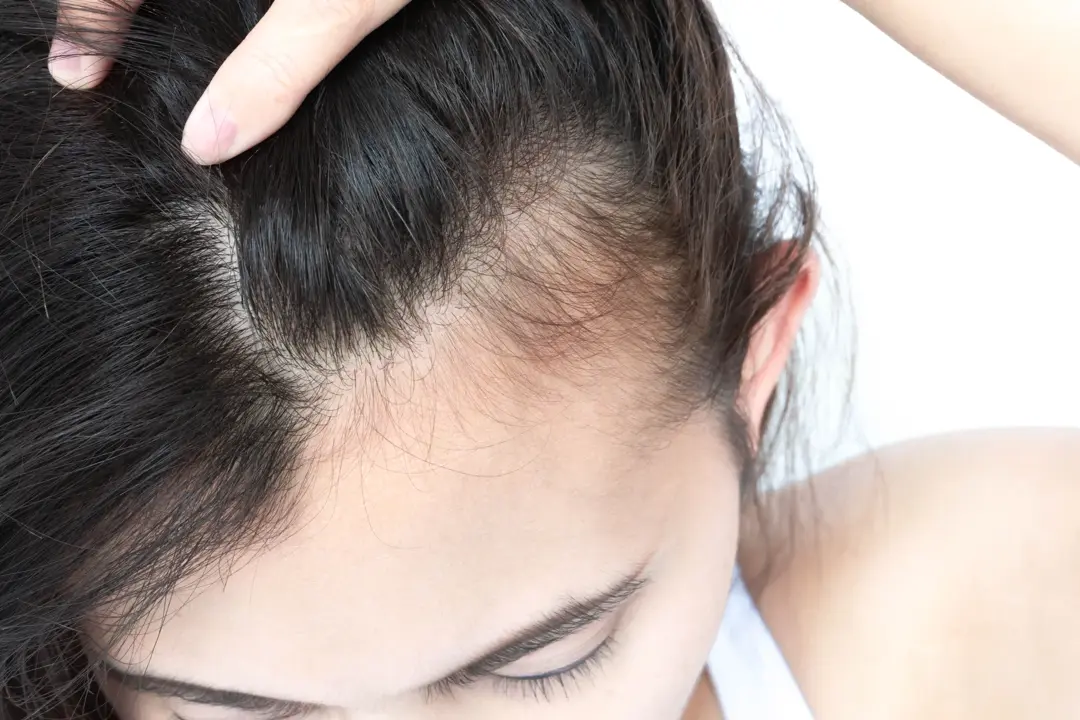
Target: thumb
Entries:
(263, 82)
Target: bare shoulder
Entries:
(938, 578)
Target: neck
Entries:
(703, 703)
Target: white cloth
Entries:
(751, 677)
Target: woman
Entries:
(441, 403)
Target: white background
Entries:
(957, 230)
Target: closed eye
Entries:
(562, 681)
(541, 686)
(563, 649)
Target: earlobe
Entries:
(773, 341)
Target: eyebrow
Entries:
(573, 616)
(202, 695)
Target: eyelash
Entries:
(539, 688)
(543, 687)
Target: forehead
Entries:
(435, 517)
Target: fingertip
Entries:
(74, 68)
(210, 133)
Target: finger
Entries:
(88, 34)
(263, 82)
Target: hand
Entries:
(261, 84)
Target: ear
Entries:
(772, 342)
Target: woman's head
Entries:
(475, 352)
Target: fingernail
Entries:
(66, 62)
(209, 134)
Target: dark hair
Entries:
(168, 333)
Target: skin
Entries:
(1018, 57)
(401, 575)
(931, 579)
(457, 522)
(973, 624)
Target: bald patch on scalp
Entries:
(563, 291)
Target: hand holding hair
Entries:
(259, 87)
